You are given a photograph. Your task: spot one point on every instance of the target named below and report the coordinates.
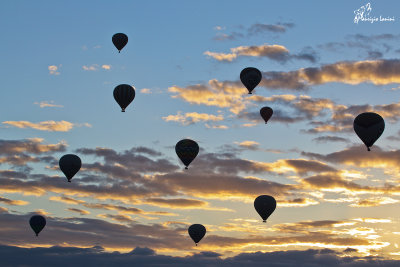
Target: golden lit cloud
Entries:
(220, 94)
(145, 91)
(275, 52)
(377, 72)
(50, 104)
(52, 126)
(13, 202)
(192, 117)
(53, 70)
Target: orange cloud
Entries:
(52, 126)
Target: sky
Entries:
(132, 201)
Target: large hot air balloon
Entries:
(266, 113)
(369, 127)
(37, 223)
(197, 232)
(119, 40)
(124, 95)
(250, 78)
(186, 150)
(70, 164)
(265, 206)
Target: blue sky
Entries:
(320, 70)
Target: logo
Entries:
(363, 14)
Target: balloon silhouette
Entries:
(37, 223)
(266, 113)
(70, 164)
(250, 78)
(186, 150)
(196, 232)
(265, 206)
(369, 127)
(119, 40)
(124, 95)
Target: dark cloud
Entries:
(142, 256)
(328, 138)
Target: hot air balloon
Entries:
(70, 165)
(37, 223)
(124, 95)
(369, 127)
(250, 78)
(119, 40)
(265, 206)
(196, 232)
(186, 150)
(266, 113)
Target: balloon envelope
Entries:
(250, 78)
(70, 164)
(124, 95)
(197, 232)
(265, 206)
(266, 113)
(119, 40)
(37, 223)
(187, 150)
(369, 127)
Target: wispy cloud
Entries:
(192, 117)
(95, 67)
(52, 126)
(50, 103)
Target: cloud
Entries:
(373, 202)
(358, 156)
(52, 126)
(143, 256)
(13, 202)
(192, 117)
(145, 91)
(51, 104)
(96, 67)
(54, 70)
(32, 145)
(220, 94)
(92, 67)
(221, 127)
(377, 72)
(80, 211)
(274, 52)
(253, 30)
(251, 145)
(327, 138)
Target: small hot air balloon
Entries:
(266, 113)
(250, 78)
(70, 164)
(265, 206)
(37, 222)
(196, 232)
(119, 40)
(186, 150)
(124, 95)
(369, 127)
